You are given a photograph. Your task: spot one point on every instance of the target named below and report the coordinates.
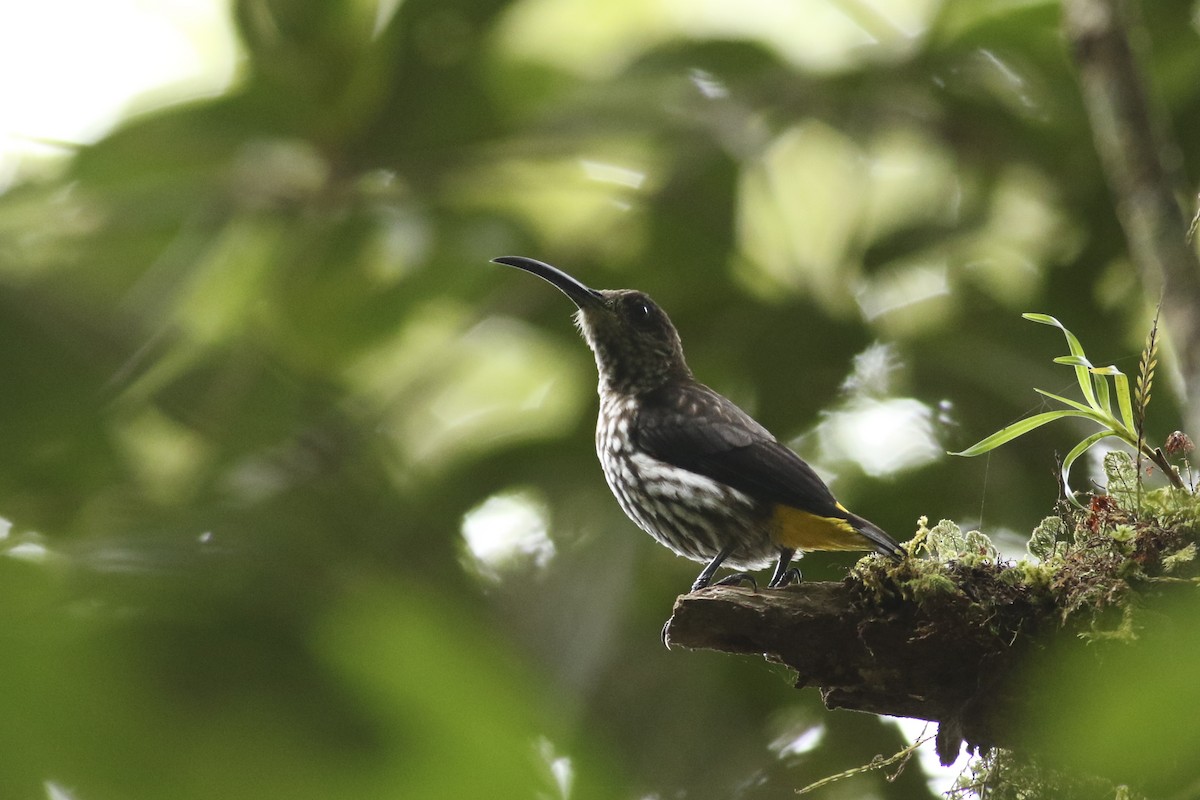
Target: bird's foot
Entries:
(666, 642)
(793, 575)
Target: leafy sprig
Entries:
(1125, 423)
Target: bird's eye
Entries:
(640, 312)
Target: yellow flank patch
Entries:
(800, 530)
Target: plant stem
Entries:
(1158, 457)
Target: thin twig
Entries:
(1160, 458)
(876, 763)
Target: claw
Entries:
(789, 577)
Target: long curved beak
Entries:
(580, 295)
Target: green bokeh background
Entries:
(257, 372)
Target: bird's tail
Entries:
(878, 537)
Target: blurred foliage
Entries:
(1124, 712)
(257, 373)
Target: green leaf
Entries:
(1048, 539)
(1066, 401)
(1075, 453)
(1081, 364)
(1123, 484)
(1018, 428)
(1044, 319)
(1101, 384)
(1124, 400)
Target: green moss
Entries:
(1087, 566)
(1179, 557)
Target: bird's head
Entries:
(637, 348)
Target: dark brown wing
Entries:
(692, 427)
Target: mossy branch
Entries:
(946, 638)
(936, 663)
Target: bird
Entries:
(685, 463)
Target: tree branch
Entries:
(963, 641)
(935, 660)
(1135, 152)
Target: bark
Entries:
(936, 661)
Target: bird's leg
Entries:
(784, 576)
(706, 574)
